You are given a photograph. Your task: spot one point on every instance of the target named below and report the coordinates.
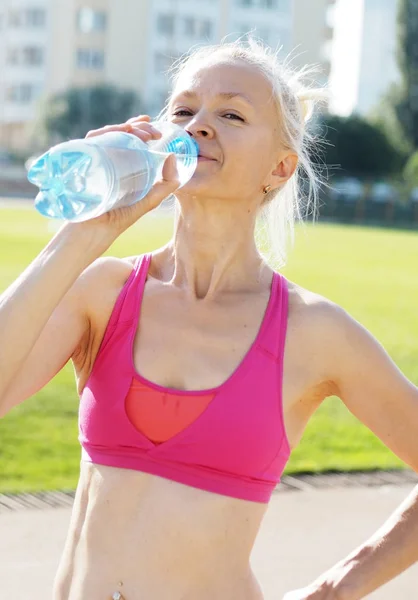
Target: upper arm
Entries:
(74, 329)
(61, 338)
(371, 385)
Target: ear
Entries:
(284, 169)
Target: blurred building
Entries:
(23, 74)
(47, 46)
(177, 25)
(313, 34)
(378, 68)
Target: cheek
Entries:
(249, 163)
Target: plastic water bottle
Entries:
(84, 178)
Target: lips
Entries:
(205, 157)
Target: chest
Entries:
(195, 345)
(200, 346)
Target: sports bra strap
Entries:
(274, 334)
(134, 290)
(124, 310)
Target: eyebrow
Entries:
(224, 95)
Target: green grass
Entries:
(370, 272)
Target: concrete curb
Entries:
(289, 483)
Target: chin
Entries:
(195, 187)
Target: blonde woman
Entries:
(198, 366)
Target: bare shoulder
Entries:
(106, 266)
(105, 275)
(317, 329)
(313, 311)
(326, 331)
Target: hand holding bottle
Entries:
(119, 219)
(115, 175)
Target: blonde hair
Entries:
(295, 101)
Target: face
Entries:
(229, 109)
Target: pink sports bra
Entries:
(229, 440)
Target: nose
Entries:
(198, 128)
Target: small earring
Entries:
(266, 189)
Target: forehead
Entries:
(232, 77)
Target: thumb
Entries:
(165, 186)
(169, 172)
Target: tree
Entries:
(407, 56)
(410, 172)
(71, 114)
(398, 110)
(357, 147)
(384, 116)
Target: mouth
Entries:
(201, 157)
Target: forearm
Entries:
(28, 303)
(391, 550)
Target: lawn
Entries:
(370, 272)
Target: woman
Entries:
(198, 366)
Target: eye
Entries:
(183, 112)
(234, 116)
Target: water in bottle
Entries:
(82, 179)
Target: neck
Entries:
(214, 252)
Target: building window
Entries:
(35, 17)
(206, 29)
(89, 20)
(90, 59)
(30, 56)
(259, 3)
(165, 24)
(22, 93)
(33, 56)
(13, 56)
(190, 26)
(15, 18)
(285, 6)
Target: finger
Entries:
(160, 190)
(141, 118)
(107, 129)
(169, 172)
(166, 185)
(143, 134)
(144, 131)
(135, 128)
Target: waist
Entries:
(148, 532)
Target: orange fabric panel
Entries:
(161, 415)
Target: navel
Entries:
(118, 595)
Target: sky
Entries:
(346, 56)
